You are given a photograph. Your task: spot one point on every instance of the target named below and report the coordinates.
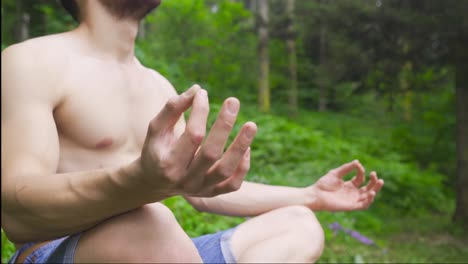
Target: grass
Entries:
(409, 221)
(424, 238)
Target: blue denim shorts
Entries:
(213, 248)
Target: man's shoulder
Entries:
(31, 67)
(161, 81)
(37, 54)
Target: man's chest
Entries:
(107, 108)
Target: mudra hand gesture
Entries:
(335, 194)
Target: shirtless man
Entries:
(92, 141)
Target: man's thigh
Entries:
(147, 234)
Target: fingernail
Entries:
(203, 93)
(249, 133)
(192, 91)
(233, 106)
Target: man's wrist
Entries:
(138, 182)
(312, 198)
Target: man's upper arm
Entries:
(29, 135)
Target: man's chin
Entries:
(133, 9)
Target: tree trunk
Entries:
(22, 24)
(405, 85)
(250, 5)
(263, 35)
(461, 211)
(291, 44)
(323, 60)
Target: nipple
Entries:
(107, 142)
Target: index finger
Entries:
(195, 130)
(360, 177)
(173, 110)
(347, 168)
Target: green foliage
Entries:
(211, 58)
(8, 249)
(196, 223)
(301, 153)
(392, 95)
(435, 132)
(45, 17)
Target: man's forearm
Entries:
(254, 199)
(45, 207)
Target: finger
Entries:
(360, 177)
(371, 199)
(365, 203)
(346, 169)
(212, 150)
(223, 125)
(229, 162)
(195, 130)
(172, 111)
(366, 195)
(234, 182)
(372, 182)
(378, 186)
(361, 205)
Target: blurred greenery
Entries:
(390, 92)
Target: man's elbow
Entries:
(15, 229)
(14, 232)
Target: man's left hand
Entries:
(332, 193)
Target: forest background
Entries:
(382, 81)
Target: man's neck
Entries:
(109, 38)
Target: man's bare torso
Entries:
(104, 108)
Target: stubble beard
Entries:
(130, 9)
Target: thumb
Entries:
(172, 111)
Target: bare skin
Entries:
(92, 141)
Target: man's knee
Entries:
(151, 214)
(306, 227)
(147, 234)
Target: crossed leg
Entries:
(151, 234)
(146, 235)
(289, 234)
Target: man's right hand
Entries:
(191, 164)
